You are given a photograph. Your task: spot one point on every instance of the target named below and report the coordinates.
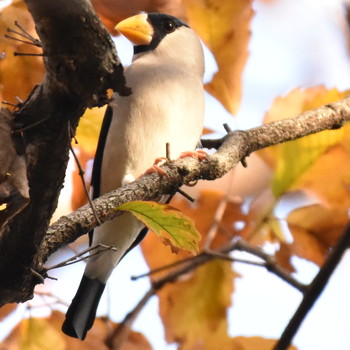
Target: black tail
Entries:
(82, 311)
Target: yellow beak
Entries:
(137, 29)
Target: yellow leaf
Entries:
(46, 333)
(203, 212)
(38, 334)
(322, 224)
(292, 159)
(89, 129)
(194, 311)
(167, 222)
(224, 26)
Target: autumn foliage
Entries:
(242, 205)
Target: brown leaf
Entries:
(113, 11)
(283, 257)
(224, 26)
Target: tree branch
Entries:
(234, 147)
(314, 290)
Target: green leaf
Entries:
(172, 226)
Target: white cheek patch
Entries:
(128, 178)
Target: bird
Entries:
(166, 106)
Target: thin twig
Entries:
(9, 103)
(116, 338)
(28, 54)
(33, 125)
(314, 290)
(270, 264)
(167, 152)
(58, 300)
(219, 213)
(192, 263)
(186, 195)
(163, 268)
(80, 257)
(20, 40)
(24, 34)
(227, 128)
(227, 257)
(81, 174)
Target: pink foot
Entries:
(155, 168)
(199, 154)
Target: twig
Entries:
(57, 300)
(9, 103)
(219, 213)
(314, 290)
(24, 34)
(116, 338)
(190, 264)
(227, 257)
(33, 125)
(20, 40)
(186, 195)
(80, 257)
(81, 174)
(162, 268)
(28, 54)
(270, 264)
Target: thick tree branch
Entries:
(81, 64)
(234, 147)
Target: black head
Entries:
(163, 25)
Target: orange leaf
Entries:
(113, 11)
(18, 75)
(224, 26)
(315, 229)
(7, 310)
(258, 343)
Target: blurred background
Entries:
(294, 44)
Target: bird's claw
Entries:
(198, 154)
(155, 168)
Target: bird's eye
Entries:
(169, 26)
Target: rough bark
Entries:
(81, 64)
